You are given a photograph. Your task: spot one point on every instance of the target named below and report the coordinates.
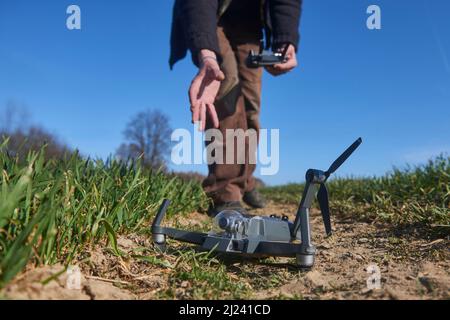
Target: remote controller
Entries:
(265, 58)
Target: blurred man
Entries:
(226, 94)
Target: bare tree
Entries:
(147, 137)
(13, 117)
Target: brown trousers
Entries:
(238, 107)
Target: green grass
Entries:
(201, 276)
(50, 211)
(54, 211)
(415, 195)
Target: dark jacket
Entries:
(195, 23)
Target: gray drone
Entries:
(262, 236)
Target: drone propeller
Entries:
(322, 197)
(342, 158)
(318, 178)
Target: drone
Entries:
(262, 236)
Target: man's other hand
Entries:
(289, 65)
(204, 89)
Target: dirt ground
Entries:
(412, 266)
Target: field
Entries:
(96, 215)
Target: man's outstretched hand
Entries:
(204, 89)
(289, 65)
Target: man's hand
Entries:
(289, 65)
(204, 89)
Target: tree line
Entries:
(146, 137)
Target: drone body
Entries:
(262, 236)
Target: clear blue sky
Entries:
(392, 86)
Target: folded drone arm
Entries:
(302, 218)
(160, 233)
